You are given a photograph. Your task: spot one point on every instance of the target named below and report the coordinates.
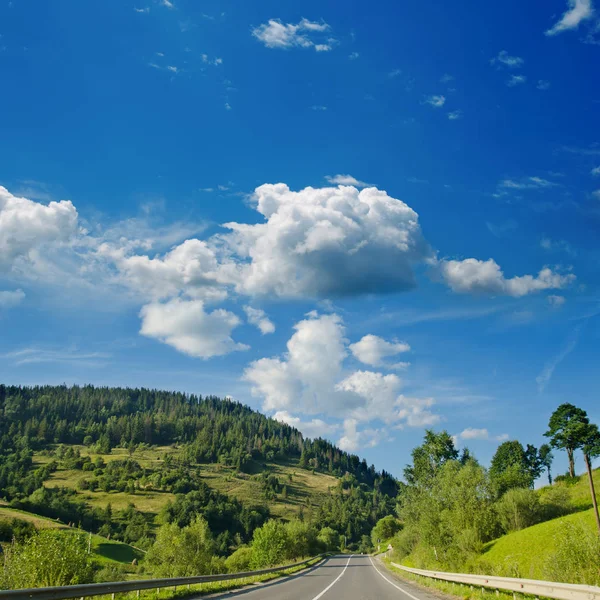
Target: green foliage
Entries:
(183, 551)
(566, 430)
(546, 458)
(48, 558)
(519, 508)
(513, 467)
(385, 529)
(329, 539)
(270, 545)
(437, 448)
(451, 516)
(240, 560)
(302, 539)
(576, 557)
(15, 529)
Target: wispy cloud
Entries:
(144, 10)
(557, 246)
(527, 183)
(211, 61)
(414, 316)
(10, 298)
(446, 78)
(556, 301)
(592, 150)
(578, 11)
(346, 180)
(501, 229)
(595, 171)
(394, 73)
(505, 59)
(353, 55)
(543, 85)
(318, 107)
(455, 115)
(545, 376)
(514, 80)
(435, 100)
(167, 4)
(72, 355)
(471, 433)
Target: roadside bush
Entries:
(577, 556)
(48, 558)
(329, 539)
(302, 540)
(179, 552)
(240, 560)
(269, 545)
(555, 501)
(518, 508)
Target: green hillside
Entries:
(104, 551)
(305, 489)
(123, 462)
(527, 553)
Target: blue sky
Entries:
(365, 221)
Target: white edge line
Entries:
(391, 582)
(336, 580)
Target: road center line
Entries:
(334, 581)
(392, 583)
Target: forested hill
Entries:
(210, 429)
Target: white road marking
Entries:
(392, 583)
(335, 581)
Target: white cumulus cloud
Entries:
(26, 227)
(313, 428)
(259, 319)
(332, 241)
(187, 327)
(373, 350)
(485, 277)
(311, 378)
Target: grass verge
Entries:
(202, 589)
(447, 588)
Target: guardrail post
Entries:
(138, 593)
(113, 596)
(497, 592)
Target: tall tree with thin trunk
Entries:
(565, 430)
(547, 457)
(591, 450)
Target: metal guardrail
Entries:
(534, 587)
(101, 589)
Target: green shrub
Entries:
(269, 545)
(577, 556)
(48, 558)
(518, 508)
(555, 501)
(240, 560)
(182, 552)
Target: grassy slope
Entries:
(304, 484)
(105, 551)
(524, 553)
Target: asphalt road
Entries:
(346, 577)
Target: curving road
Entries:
(354, 577)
